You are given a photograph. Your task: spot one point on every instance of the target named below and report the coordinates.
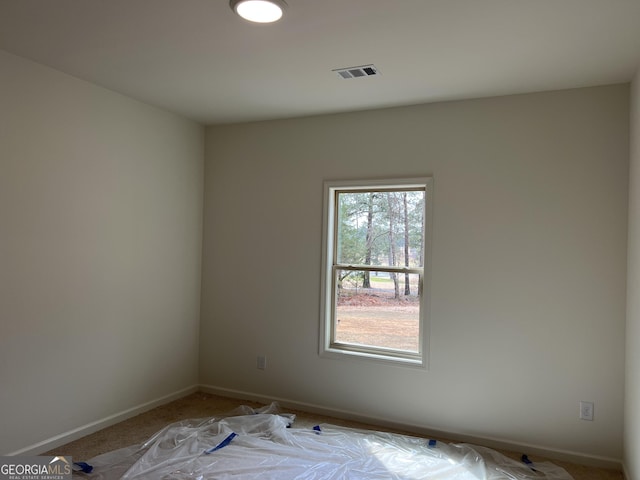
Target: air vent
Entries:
(357, 72)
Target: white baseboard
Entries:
(92, 427)
(422, 430)
(495, 443)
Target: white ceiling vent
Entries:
(356, 72)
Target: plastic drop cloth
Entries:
(257, 444)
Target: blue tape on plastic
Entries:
(82, 467)
(432, 443)
(317, 429)
(222, 444)
(527, 462)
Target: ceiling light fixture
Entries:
(259, 11)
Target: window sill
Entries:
(338, 353)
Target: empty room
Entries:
(418, 217)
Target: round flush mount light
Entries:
(259, 11)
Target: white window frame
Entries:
(328, 346)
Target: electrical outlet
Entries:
(586, 411)
(261, 362)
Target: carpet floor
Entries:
(201, 405)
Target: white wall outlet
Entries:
(586, 411)
(261, 362)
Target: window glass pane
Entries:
(378, 309)
(380, 228)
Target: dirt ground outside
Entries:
(378, 320)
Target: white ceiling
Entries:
(196, 58)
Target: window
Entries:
(375, 269)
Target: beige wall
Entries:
(632, 381)
(100, 253)
(529, 263)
